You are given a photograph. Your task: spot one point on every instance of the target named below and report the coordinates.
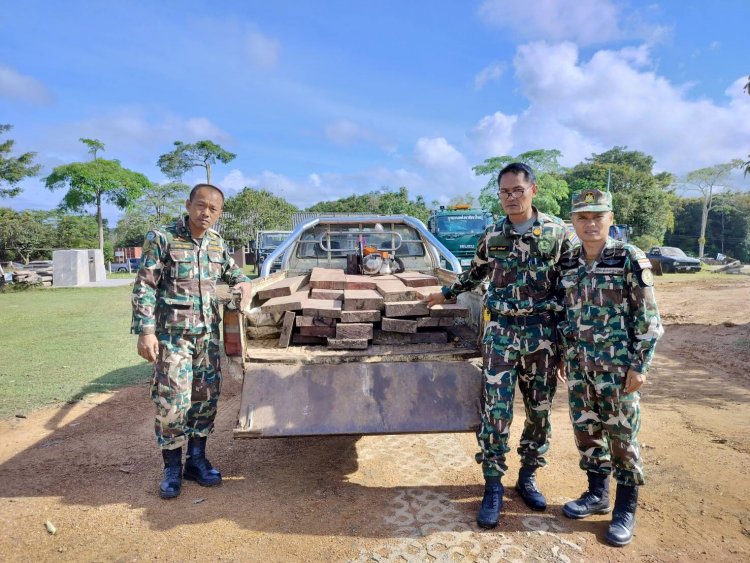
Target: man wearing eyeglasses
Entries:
(520, 256)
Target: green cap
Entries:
(591, 200)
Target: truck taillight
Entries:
(234, 327)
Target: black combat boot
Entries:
(620, 530)
(197, 467)
(172, 482)
(593, 501)
(526, 487)
(492, 503)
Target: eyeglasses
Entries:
(516, 193)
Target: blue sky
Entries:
(324, 99)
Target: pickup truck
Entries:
(386, 388)
(130, 265)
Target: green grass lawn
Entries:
(59, 344)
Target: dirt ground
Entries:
(92, 469)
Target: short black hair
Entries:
(518, 168)
(201, 186)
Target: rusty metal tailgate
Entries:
(359, 398)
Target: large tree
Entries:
(95, 182)
(253, 210)
(380, 202)
(641, 199)
(25, 235)
(13, 169)
(706, 181)
(553, 190)
(186, 156)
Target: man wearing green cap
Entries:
(608, 335)
(520, 256)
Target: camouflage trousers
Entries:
(605, 421)
(526, 355)
(185, 387)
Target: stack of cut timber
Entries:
(348, 312)
(33, 277)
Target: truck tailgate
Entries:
(359, 398)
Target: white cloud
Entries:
(585, 22)
(490, 73)
(262, 50)
(493, 135)
(234, 181)
(437, 153)
(612, 99)
(16, 86)
(446, 170)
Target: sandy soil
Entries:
(92, 468)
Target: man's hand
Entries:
(148, 347)
(562, 376)
(634, 380)
(435, 299)
(247, 294)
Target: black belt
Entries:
(522, 320)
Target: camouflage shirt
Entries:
(175, 290)
(611, 319)
(522, 269)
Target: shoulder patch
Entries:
(151, 235)
(646, 277)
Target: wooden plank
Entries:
(328, 308)
(282, 288)
(362, 300)
(359, 282)
(261, 332)
(354, 331)
(395, 290)
(433, 322)
(286, 329)
(304, 340)
(334, 294)
(381, 337)
(449, 310)
(360, 316)
(348, 343)
(318, 330)
(302, 320)
(399, 325)
(286, 303)
(424, 292)
(417, 279)
(327, 278)
(406, 309)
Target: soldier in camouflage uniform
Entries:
(176, 315)
(520, 255)
(609, 334)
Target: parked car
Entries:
(131, 265)
(673, 259)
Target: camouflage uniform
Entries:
(519, 342)
(611, 325)
(174, 297)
